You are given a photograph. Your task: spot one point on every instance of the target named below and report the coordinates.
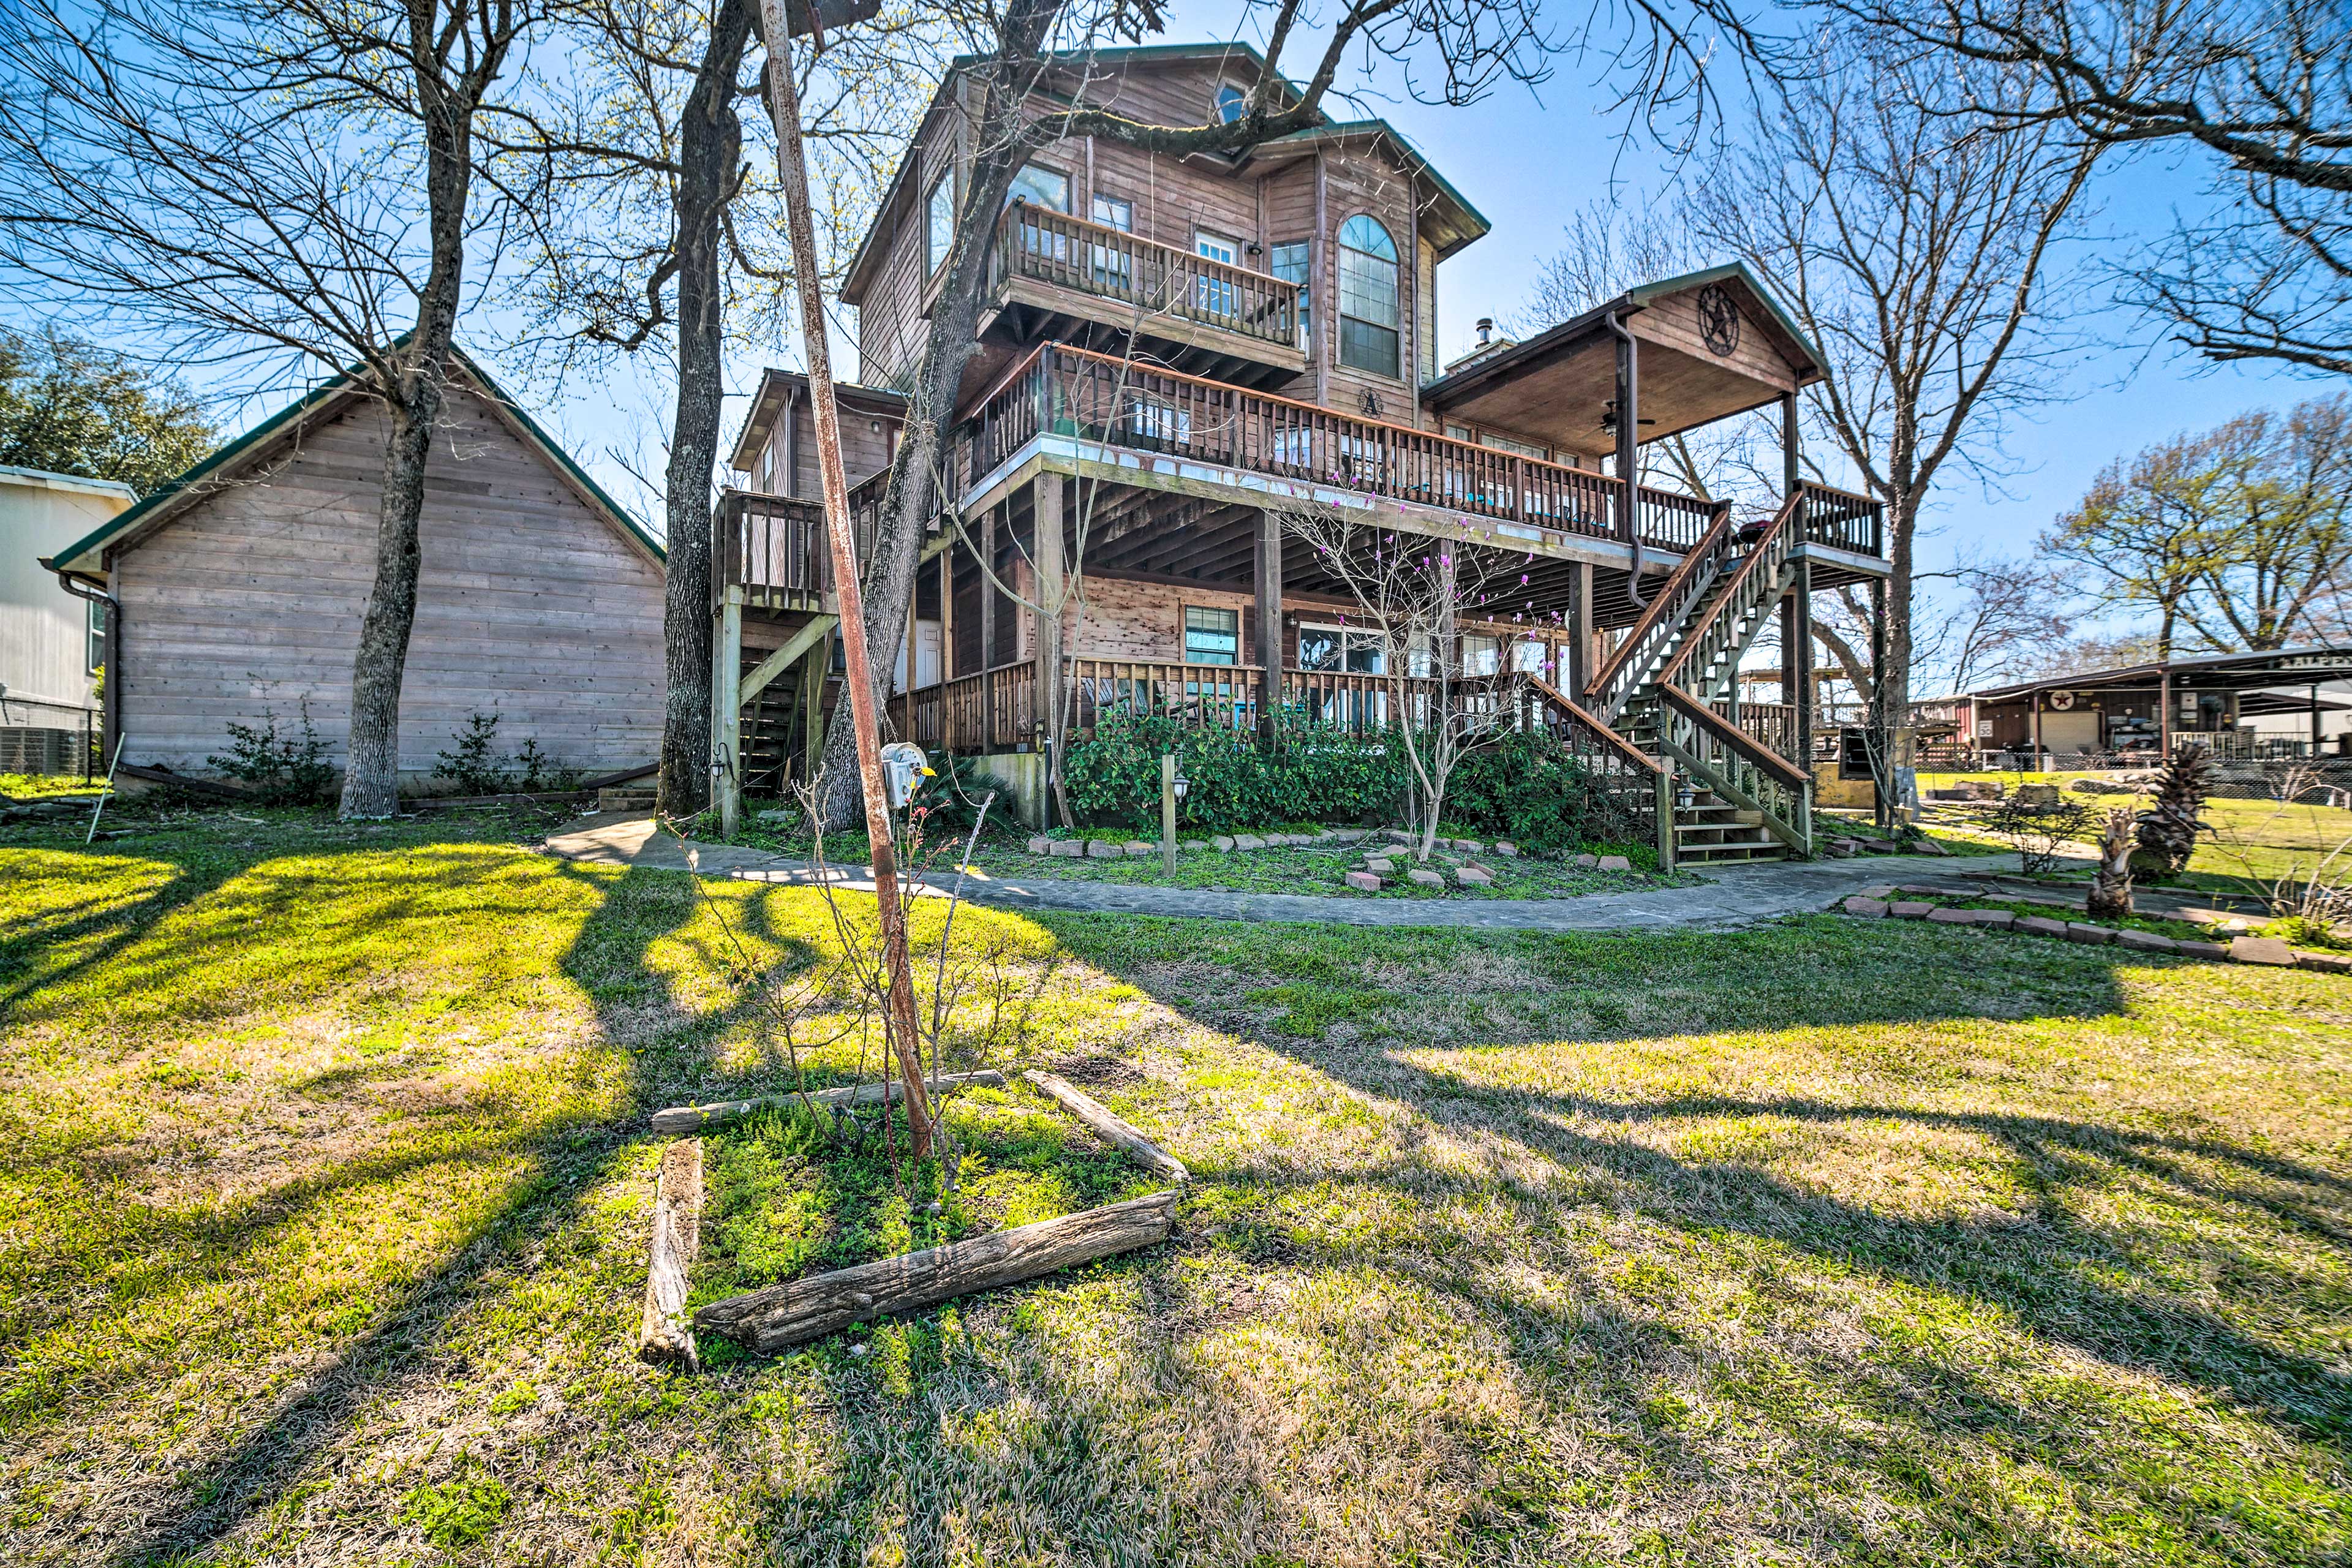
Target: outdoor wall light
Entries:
(1183, 784)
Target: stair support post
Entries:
(1665, 785)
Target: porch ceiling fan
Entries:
(1609, 417)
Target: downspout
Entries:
(112, 715)
(1629, 442)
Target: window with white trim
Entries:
(1367, 297)
(939, 216)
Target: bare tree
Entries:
(1912, 248)
(1413, 593)
(300, 176)
(2264, 85)
(1028, 80)
(2009, 613)
(641, 249)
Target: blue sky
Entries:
(1528, 160)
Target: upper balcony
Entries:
(1056, 276)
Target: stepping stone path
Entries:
(1614, 863)
(1505, 848)
(1475, 876)
(1364, 881)
(1380, 866)
(1422, 877)
(1873, 903)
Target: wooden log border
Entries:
(663, 1335)
(777, 1317)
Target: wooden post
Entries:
(800, 223)
(1580, 630)
(946, 614)
(1792, 466)
(1167, 813)
(815, 666)
(1628, 440)
(988, 596)
(2164, 710)
(1266, 569)
(727, 702)
(1045, 560)
(1802, 597)
(1666, 814)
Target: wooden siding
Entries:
(1173, 200)
(864, 451)
(529, 604)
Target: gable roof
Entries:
(85, 555)
(1456, 222)
(1470, 221)
(776, 385)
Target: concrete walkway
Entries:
(1739, 895)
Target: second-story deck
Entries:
(1054, 276)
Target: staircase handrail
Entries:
(1773, 531)
(1602, 732)
(1733, 738)
(1671, 599)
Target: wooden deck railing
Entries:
(1772, 724)
(1722, 757)
(1150, 278)
(773, 547)
(1842, 520)
(1099, 397)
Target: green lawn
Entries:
(323, 1210)
(46, 787)
(2251, 845)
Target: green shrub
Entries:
(282, 770)
(1528, 788)
(1525, 786)
(475, 766)
(1309, 773)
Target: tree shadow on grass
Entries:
(2064, 1278)
(561, 1162)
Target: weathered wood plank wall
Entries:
(528, 605)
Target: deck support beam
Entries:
(727, 710)
(1268, 574)
(784, 657)
(1578, 673)
(1045, 558)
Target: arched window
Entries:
(1368, 295)
(1231, 101)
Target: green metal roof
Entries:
(293, 415)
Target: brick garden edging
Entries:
(2263, 950)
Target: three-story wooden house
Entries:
(1175, 350)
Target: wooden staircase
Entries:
(1735, 798)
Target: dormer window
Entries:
(1232, 102)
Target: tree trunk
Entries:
(952, 338)
(409, 379)
(2111, 884)
(371, 768)
(710, 140)
(1890, 683)
(782, 1316)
